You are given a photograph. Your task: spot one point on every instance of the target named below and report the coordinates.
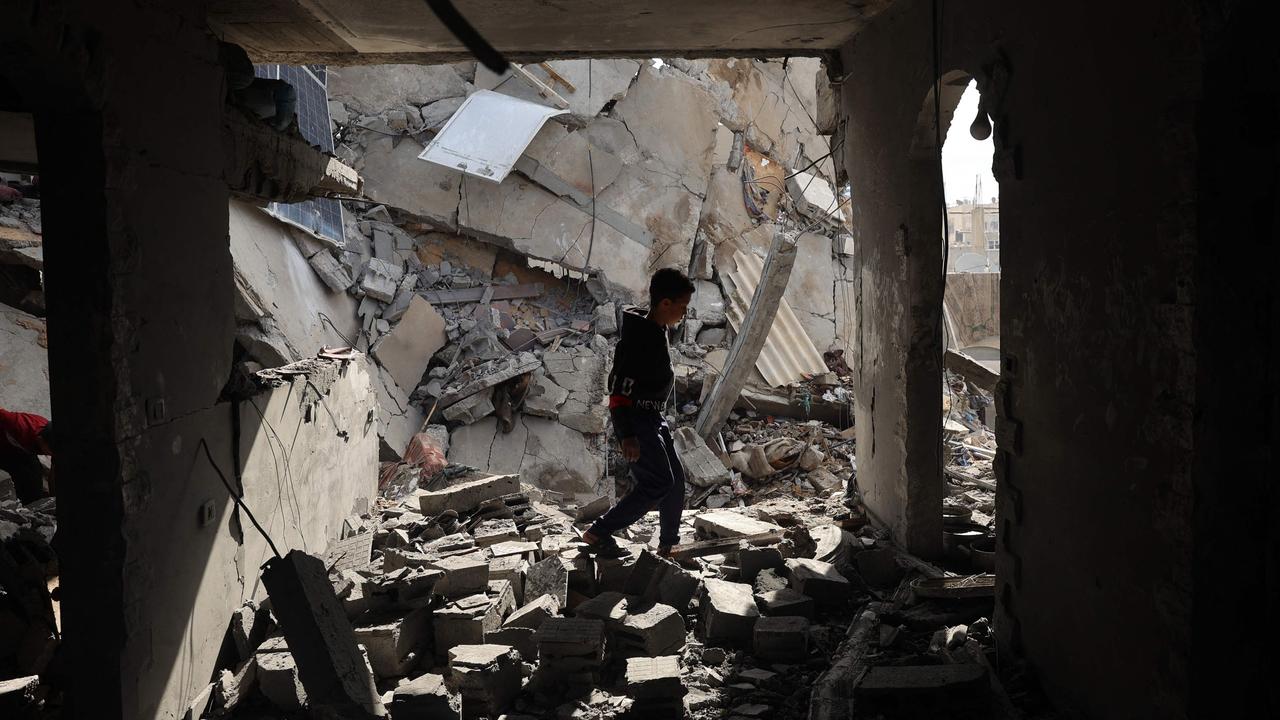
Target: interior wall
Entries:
(306, 460)
(1096, 158)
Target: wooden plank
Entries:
(955, 588)
(715, 547)
(752, 334)
(476, 294)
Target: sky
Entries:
(963, 157)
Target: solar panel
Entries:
(320, 216)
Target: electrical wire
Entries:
(238, 499)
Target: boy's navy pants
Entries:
(659, 481)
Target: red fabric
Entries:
(617, 401)
(21, 431)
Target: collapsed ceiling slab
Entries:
(351, 32)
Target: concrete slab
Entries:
(407, 350)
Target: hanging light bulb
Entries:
(981, 127)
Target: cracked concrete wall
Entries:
(285, 297)
(305, 462)
(1098, 362)
(653, 162)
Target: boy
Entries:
(639, 386)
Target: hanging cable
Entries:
(468, 35)
(239, 500)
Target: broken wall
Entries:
(621, 185)
(307, 455)
(1098, 355)
(973, 310)
(284, 311)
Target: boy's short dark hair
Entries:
(669, 284)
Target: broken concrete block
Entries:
(819, 580)
(371, 90)
(231, 689)
(384, 245)
(406, 351)
(331, 272)
(511, 568)
(425, 698)
(463, 575)
(752, 560)
(660, 580)
(570, 651)
(394, 645)
(404, 296)
(656, 686)
(701, 466)
(729, 613)
(534, 613)
(491, 532)
(707, 304)
(435, 115)
(487, 676)
(380, 279)
(472, 409)
(580, 413)
(519, 638)
(467, 496)
(782, 638)
(330, 664)
(712, 337)
(545, 397)
(549, 577)
(278, 681)
(728, 524)
(785, 602)
(606, 319)
(656, 630)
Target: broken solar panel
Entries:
(319, 216)
(487, 134)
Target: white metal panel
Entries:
(788, 356)
(487, 134)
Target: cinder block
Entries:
(425, 698)
(487, 676)
(784, 638)
(330, 664)
(395, 645)
(729, 613)
(785, 602)
(819, 580)
(466, 496)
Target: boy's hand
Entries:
(630, 449)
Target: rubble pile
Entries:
(473, 600)
(21, 248)
(491, 309)
(969, 508)
(29, 622)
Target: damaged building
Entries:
(309, 311)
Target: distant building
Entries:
(973, 234)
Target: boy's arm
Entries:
(621, 383)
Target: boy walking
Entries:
(639, 386)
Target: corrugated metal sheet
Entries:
(789, 356)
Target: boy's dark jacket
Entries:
(642, 376)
